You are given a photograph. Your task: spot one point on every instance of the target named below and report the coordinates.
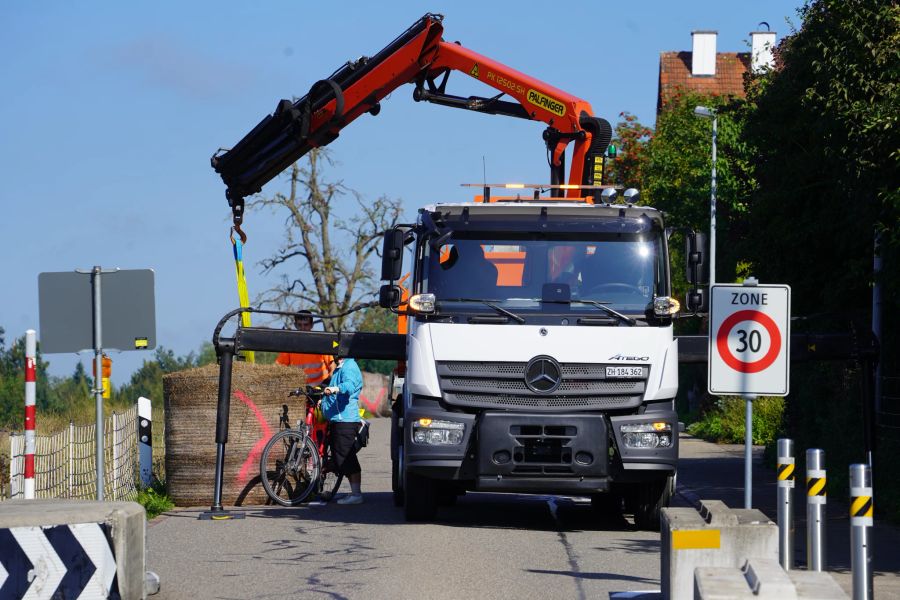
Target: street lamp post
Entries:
(709, 113)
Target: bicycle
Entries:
(296, 461)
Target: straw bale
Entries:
(259, 393)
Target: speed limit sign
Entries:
(749, 340)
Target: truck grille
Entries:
(584, 386)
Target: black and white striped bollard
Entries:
(145, 440)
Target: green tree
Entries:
(632, 140)
(12, 384)
(73, 394)
(678, 168)
(825, 126)
(147, 380)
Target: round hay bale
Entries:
(258, 395)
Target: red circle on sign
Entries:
(734, 362)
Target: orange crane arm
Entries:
(419, 56)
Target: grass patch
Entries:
(724, 422)
(155, 500)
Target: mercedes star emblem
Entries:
(543, 375)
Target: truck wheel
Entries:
(652, 497)
(420, 498)
(396, 457)
(396, 479)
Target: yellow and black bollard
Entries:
(816, 498)
(785, 475)
(862, 509)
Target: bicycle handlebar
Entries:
(313, 393)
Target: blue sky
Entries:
(109, 113)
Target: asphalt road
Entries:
(488, 545)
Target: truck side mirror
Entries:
(697, 300)
(389, 296)
(697, 272)
(697, 265)
(392, 255)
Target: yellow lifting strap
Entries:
(243, 296)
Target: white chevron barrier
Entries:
(62, 561)
(73, 549)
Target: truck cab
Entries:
(540, 354)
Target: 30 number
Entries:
(753, 340)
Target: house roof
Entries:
(675, 72)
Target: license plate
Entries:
(624, 372)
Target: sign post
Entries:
(112, 309)
(96, 272)
(749, 350)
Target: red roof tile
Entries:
(675, 72)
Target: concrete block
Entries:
(125, 523)
(764, 579)
(714, 536)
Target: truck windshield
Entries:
(534, 271)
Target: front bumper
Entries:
(539, 453)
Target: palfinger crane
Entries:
(422, 57)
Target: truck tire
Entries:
(396, 455)
(651, 498)
(420, 498)
(397, 479)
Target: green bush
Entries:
(155, 500)
(725, 422)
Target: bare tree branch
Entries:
(330, 258)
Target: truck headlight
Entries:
(422, 303)
(647, 435)
(437, 433)
(664, 306)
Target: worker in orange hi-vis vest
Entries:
(317, 367)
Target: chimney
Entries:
(761, 45)
(703, 59)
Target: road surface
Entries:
(487, 546)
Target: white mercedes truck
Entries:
(540, 353)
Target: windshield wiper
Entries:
(489, 303)
(602, 306)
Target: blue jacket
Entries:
(344, 406)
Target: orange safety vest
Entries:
(316, 367)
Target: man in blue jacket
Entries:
(340, 405)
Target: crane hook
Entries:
(236, 228)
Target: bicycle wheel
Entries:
(328, 476)
(289, 467)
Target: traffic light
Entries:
(611, 151)
(107, 372)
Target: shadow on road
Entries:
(481, 510)
(597, 576)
